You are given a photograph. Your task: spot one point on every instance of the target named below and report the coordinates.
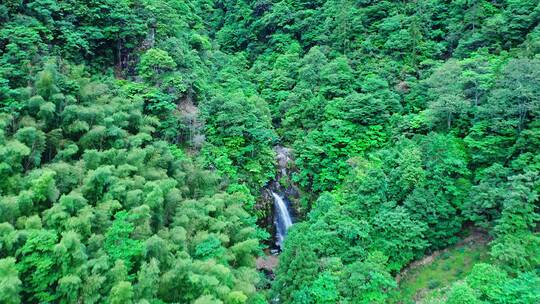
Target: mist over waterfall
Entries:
(282, 220)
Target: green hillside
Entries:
(138, 145)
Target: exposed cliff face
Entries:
(283, 182)
(283, 155)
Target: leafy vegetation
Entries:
(136, 136)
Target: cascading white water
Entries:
(283, 218)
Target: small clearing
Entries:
(426, 279)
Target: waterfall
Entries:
(282, 218)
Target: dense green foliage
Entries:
(135, 137)
(409, 121)
(86, 189)
(101, 200)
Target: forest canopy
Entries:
(137, 140)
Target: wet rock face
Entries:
(284, 160)
(283, 186)
(265, 209)
(283, 182)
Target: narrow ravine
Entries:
(280, 189)
(283, 214)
